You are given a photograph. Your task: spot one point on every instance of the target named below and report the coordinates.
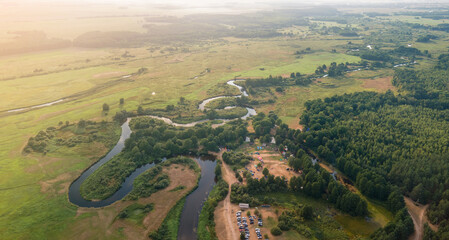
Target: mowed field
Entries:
(28, 212)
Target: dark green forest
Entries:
(388, 144)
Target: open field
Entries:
(413, 19)
(305, 65)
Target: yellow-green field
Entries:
(305, 65)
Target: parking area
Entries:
(249, 224)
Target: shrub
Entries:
(276, 231)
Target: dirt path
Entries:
(225, 210)
(418, 214)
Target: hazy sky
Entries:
(215, 2)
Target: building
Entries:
(243, 205)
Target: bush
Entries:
(276, 231)
(105, 107)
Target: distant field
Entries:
(331, 24)
(307, 64)
(56, 29)
(296, 30)
(49, 61)
(435, 47)
(48, 88)
(413, 19)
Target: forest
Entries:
(388, 144)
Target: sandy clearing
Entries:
(272, 162)
(294, 123)
(381, 84)
(418, 214)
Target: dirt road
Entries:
(225, 210)
(418, 214)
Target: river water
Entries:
(194, 202)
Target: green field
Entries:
(419, 20)
(305, 65)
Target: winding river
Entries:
(194, 201)
(203, 104)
